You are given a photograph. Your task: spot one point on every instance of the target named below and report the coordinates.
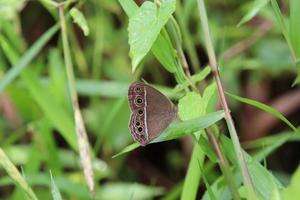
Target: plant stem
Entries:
(228, 118)
(82, 139)
(224, 165)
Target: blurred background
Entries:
(255, 63)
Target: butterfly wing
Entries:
(152, 112)
(137, 103)
(160, 112)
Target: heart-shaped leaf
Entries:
(144, 27)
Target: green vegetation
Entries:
(231, 67)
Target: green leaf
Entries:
(207, 149)
(53, 111)
(27, 57)
(190, 106)
(145, 26)
(162, 48)
(195, 78)
(297, 81)
(264, 107)
(9, 8)
(180, 129)
(283, 27)
(164, 52)
(274, 55)
(264, 182)
(268, 149)
(15, 175)
(256, 6)
(292, 192)
(295, 25)
(54, 190)
(129, 6)
(127, 149)
(132, 191)
(208, 93)
(80, 20)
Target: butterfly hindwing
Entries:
(152, 112)
(160, 112)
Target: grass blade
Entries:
(54, 190)
(13, 172)
(257, 5)
(28, 57)
(180, 129)
(264, 107)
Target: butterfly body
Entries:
(152, 112)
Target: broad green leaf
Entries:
(129, 6)
(208, 93)
(264, 107)
(180, 129)
(190, 106)
(145, 26)
(256, 6)
(15, 175)
(80, 20)
(164, 51)
(292, 192)
(162, 47)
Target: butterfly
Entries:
(152, 112)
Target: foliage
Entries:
(109, 44)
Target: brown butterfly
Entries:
(152, 112)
